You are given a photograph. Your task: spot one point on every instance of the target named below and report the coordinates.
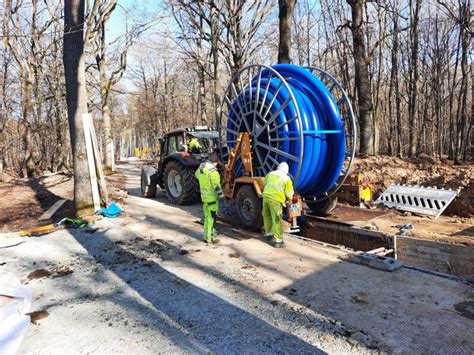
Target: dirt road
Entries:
(146, 284)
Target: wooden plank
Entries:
(112, 148)
(98, 162)
(90, 161)
(52, 210)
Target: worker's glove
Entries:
(220, 194)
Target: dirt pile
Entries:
(383, 171)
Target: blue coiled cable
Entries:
(323, 147)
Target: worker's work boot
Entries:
(268, 236)
(212, 239)
(278, 243)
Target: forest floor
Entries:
(23, 201)
(146, 283)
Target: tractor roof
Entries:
(198, 132)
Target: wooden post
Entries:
(90, 161)
(98, 162)
(112, 154)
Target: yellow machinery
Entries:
(247, 190)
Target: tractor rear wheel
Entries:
(181, 186)
(249, 207)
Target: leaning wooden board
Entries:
(52, 210)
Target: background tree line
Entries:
(406, 65)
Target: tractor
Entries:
(177, 164)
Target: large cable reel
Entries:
(298, 115)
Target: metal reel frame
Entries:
(349, 123)
(263, 119)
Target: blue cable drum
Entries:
(297, 115)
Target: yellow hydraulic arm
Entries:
(242, 150)
(231, 184)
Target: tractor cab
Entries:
(177, 163)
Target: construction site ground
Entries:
(146, 283)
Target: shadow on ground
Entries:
(193, 318)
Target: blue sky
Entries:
(137, 11)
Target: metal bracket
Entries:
(418, 199)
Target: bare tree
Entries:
(464, 122)
(241, 23)
(394, 83)
(4, 110)
(103, 63)
(24, 51)
(286, 8)
(362, 82)
(415, 6)
(197, 22)
(76, 97)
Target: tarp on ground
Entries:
(15, 302)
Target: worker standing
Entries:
(210, 186)
(278, 189)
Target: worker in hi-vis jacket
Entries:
(194, 146)
(278, 189)
(210, 186)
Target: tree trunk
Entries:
(394, 82)
(27, 90)
(362, 83)
(76, 97)
(2, 148)
(470, 136)
(215, 59)
(108, 143)
(462, 100)
(202, 97)
(108, 140)
(286, 8)
(413, 79)
(104, 94)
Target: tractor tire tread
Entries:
(190, 184)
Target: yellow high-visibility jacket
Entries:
(278, 187)
(209, 182)
(194, 145)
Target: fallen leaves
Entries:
(37, 315)
(58, 271)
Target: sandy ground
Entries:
(146, 284)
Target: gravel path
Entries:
(146, 284)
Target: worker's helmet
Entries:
(283, 167)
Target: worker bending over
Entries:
(278, 189)
(210, 186)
